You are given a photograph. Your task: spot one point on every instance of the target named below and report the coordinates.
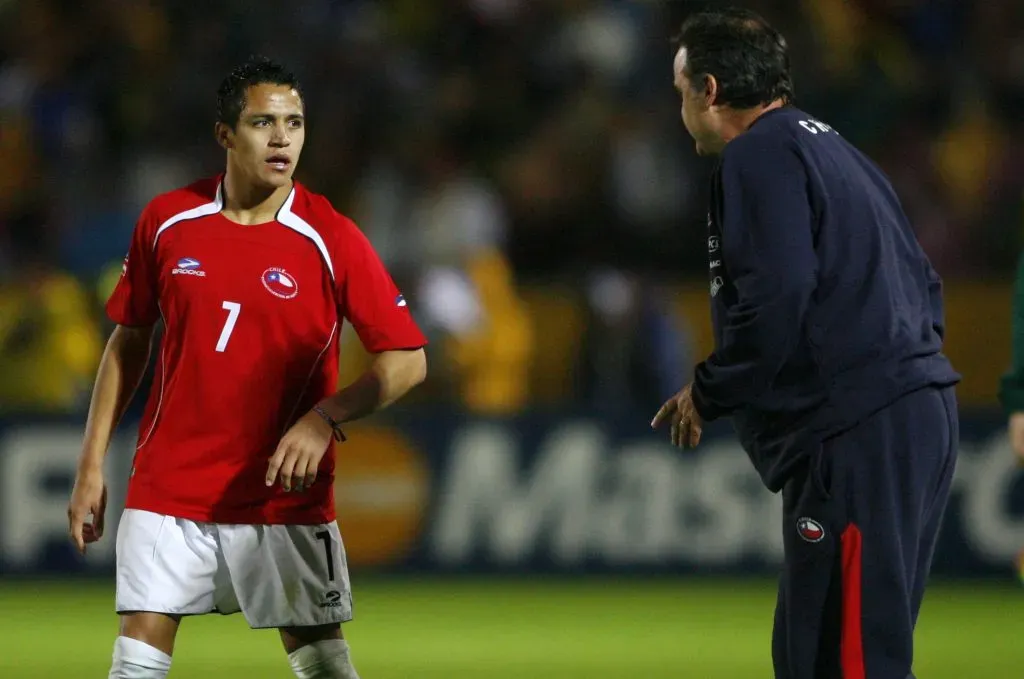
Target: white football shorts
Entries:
(277, 575)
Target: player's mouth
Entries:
(279, 162)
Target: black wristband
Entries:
(335, 425)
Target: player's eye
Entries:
(260, 123)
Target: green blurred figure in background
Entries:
(1011, 389)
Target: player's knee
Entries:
(134, 659)
(155, 629)
(326, 659)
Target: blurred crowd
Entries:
(504, 156)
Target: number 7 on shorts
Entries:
(328, 550)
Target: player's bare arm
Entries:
(121, 368)
(390, 377)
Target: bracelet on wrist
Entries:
(339, 435)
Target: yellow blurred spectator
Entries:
(840, 26)
(849, 38)
(492, 360)
(964, 157)
(107, 280)
(50, 343)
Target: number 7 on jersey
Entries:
(233, 309)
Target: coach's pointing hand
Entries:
(88, 499)
(299, 453)
(686, 423)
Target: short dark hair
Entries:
(255, 71)
(747, 57)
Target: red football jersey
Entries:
(252, 316)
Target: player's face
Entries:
(698, 110)
(267, 141)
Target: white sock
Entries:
(134, 659)
(327, 659)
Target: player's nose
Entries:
(280, 137)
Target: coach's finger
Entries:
(695, 433)
(681, 431)
(663, 412)
(684, 432)
(685, 423)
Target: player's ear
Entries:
(224, 135)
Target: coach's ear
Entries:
(224, 135)
(710, 91)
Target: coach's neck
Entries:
(736, 121)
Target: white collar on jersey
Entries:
(284, 216)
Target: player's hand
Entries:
(1016, 427)
(681, 413)
(87, 508)
(299, 453)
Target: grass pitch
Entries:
(505, 629)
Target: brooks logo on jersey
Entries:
(188, 267)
